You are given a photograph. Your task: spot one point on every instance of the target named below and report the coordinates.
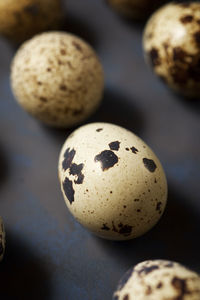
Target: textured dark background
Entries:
(50, 256)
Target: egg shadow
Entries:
(119, 109)
(4, 168)
(175, 237)
(7, 52)
(22, 274)
(80, 28)
(59, 135)
(115, 108)
(190, 103)
(140, 22)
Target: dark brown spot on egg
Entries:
(99, 129)
(77, 46)
(69, 65)
(76, 170)
(179, 54)
(169, 265)
(134, 150)
(43, 99)
(166, 46)
(158, 207)
(63, 87)
(127, 149)
(77, 111)
(48, 69)
(126, 297)
(186, 19)
(114, 145)
(138, 210)
(68, 158)
(85, 57)
(148, 290)
(125, 229)
(113, 227)
(154, 56)
(107, 159)
(149, 164)
(159, 285)
(178, 74)
(68, 189)
(63, 52)
(122, 229)
(150, 36)
(105, 227)
(146, 270)
(181, 286)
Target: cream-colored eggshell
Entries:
(172, 46)
(136, 9)
(21, 19)
(2, 239)
(57, 78)
(158, 279)
(112, 182)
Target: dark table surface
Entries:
(48, 254)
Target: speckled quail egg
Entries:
(136, 9)
(20, 20)
(2, 239)
(57, 78)
(158, 279)
(112, 182)
(172, 46)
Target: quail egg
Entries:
(158, 279)
(172, 46)
(136, 9)
(20, 20)
(112, 182)
(2, 239)
(57, 78)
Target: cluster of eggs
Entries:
(58, 78)
(112, 182)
